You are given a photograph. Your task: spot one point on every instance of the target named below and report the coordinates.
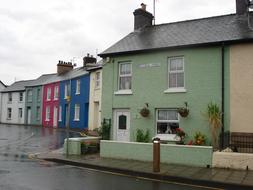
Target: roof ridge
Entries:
(190, 20)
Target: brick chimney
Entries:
(64, 67)
(142, 18)
(89, 61)
(242, 6)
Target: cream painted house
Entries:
(241, 88)
(95, 97)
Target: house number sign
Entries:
(149, 65)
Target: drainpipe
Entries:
(222, 92)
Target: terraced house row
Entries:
(158, 68)
(56, 100)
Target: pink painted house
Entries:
(50, 104)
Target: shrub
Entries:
(141, 137)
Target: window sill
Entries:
(168, 137)
(123, 92)
(76, 119)
(78, 93)
(175, 90)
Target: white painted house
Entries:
(13, 103)
(95, 97)
(2, 87)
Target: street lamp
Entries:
(68, 99)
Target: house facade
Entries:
(2, 87)
(95, 97)
(162, 67)
(50, 105)
(74, 94)
(13, 103)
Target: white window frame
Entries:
(167, 137)
(47, 113)
(66, 90)
(56, 92)
(175, 89)
(77, 112)
(97, 80)
(9, 97)
(124, 91)
(60, 113)
(78, 86)
(29, 95)
(21, 97)
(49, 93)
(9, 113)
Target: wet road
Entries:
(18, 172)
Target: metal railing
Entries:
(238, 142)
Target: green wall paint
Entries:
(172, 154)
(36, 102)
(202, 82)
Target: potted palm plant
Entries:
(213, 115)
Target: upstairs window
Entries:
(38, 95)
(48, 94)
(56, 92)
(29, 95)
(66, 90)
(125, 76)
(167, 121)
(78, 84)
(21, 96)
(38, 113)
(97, 80)
(176, 72)
(9, 97)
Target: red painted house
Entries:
(50, 104)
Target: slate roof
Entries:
(18, 86)
(211, 30)
(40, 80)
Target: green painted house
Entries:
(160, 67)
(33, 100)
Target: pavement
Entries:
(208, 178)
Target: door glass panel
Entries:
(122, 122)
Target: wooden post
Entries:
(156, 155)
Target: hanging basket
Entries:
(184, 112)
(144, 112)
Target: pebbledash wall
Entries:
(203, 84)
(52, 104)
(81, 99)
(171, 154)
(241, 90)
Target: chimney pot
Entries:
(63, 67)
(142, 18)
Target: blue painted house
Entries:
(74, 93)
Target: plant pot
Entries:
(183, 112)
(144, 112)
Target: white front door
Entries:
(122, 125)
(55, 116)
(29, 116)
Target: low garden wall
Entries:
(174, 154)
(233, 160)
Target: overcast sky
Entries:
(35, 34)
